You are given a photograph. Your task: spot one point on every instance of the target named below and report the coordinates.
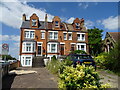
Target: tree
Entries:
(95, 41)
(113, 61)
(8, 57)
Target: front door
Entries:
(62, 49)
(39, 49)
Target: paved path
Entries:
(41, 79)
(112, 79)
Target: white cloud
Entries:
(12, 13)
(70, 20)
(110, 23)
(10, 38)
(89, 23)
(83, 5)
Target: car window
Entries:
(82, 57)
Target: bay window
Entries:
(28, 47)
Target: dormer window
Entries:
(77, 25)
(34, 22)
(56, 23)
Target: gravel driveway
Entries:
(30, 78)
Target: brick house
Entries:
(43, 38)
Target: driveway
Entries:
(112, 79)
(29, 78)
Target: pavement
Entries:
(29, 78)
(42, 78)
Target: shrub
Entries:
(101, 60)
(79, 52)
(79, 78)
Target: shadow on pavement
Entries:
(7, 81)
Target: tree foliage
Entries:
(8, 57)
(95, 40)
(79, 52)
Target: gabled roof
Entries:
(115, 35)
(41, 25)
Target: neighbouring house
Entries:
(43, 38)
(110, 40)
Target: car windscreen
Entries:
(82, 57)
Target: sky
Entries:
(103, 15)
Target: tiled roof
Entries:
(115, 35)
(26, 24)
(63, 26)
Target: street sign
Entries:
(5, 49)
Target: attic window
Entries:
(34, 22)
(77, 25)
(56, 23)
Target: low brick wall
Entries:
(14, 65)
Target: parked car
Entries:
(81, 59)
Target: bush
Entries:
(79, 52)
(53, 66)
(56, 66)
(101, 60)
(79, 78)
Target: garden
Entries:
(69, 77)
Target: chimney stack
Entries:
(24, 17)
(46, 21)
(46, 18)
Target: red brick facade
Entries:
(52, 38)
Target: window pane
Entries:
(42, 35)
(50, 35)
(28, 47)
(34, 22)
(55, 35)
(56, 23)
(31, 34)
(53, 47)
(82, 47)
(83, 37)
(26, 34)
(65, 36)
(70, 36)
(78, 36)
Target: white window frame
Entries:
(65, 37)
(28, 35)
(53, 35)
(34, 21)
(42, 35)
(77, 25)
(79, 44)
(49, 49)
(68, 35)
(24, 48)
(80, 39)
(23, 60)
(57, 25)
